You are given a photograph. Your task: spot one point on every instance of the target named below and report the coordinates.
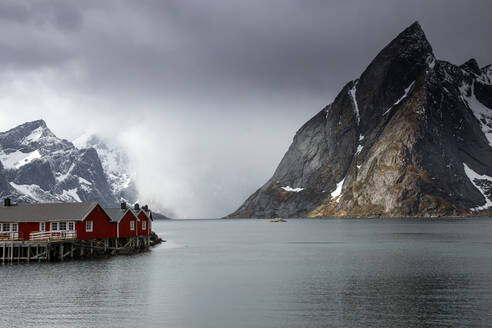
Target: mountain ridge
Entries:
(379, 147)
(37, 166)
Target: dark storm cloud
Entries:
(211, 76)
(24, 41)
(224, 48)
(61, 14)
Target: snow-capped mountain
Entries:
(412, 136)
(115, 164)
(37, 166)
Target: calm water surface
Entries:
(252, 273)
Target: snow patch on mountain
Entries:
(353, 93)
(31, 192)
(290, 189)
(481, 112)
(34, 136)
(338, 190)
(71, 195)
(475, 179)
(405, 94)
(17, 159)
(60, 177)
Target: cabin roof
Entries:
(116, 214)
(148, 215)
(46, 212)
(140, 210)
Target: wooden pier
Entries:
(61, 249)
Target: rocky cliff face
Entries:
(115, 164)
(36, 166)
(412, 136)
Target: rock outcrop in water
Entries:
(411, 136)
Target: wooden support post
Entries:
(61, 251)
(28, 253)
(11, 252)
(92, 248)
(48, 252)
(71, 250)
(3, 254)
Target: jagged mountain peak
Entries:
(410, 44)
(33, 125)
(412, 136)
(399, 64)
(471, 65)
(31, 136)
(28, 127)
(414, 30)
(40, 167)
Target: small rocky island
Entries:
(411, 136)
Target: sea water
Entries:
(253, 273)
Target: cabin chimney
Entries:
(6, 202)
(123, 205)
(137, 207)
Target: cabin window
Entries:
(71, 226)
(144, 225)
(54, 226)
(132, 225)
(88, 226)
(5, 227)
(63, 226)
(14, 227)
(42, 226)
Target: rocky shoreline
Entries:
(155, 239)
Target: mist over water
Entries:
(252, 273)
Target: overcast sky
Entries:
(205, 95)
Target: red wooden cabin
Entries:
(55, 221)
(125, 220)
(145, 221)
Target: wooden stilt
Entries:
(48, 252)
(61, 252)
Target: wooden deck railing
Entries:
(52, 235)
(11, 236)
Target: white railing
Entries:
(52, 235)
(9, 235)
